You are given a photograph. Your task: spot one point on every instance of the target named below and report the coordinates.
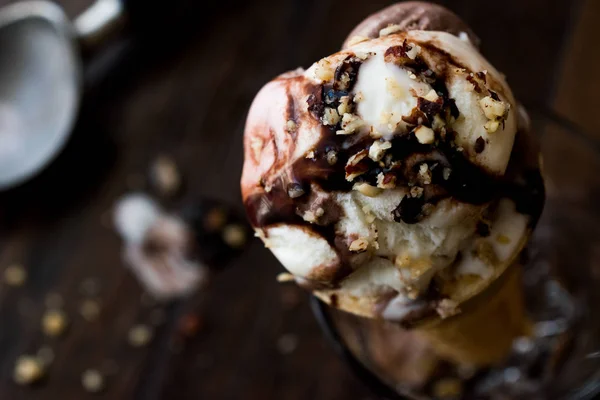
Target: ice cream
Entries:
(385, 177)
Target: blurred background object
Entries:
(164, 104)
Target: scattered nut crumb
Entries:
(89, 310)
(359, 245)
(356, 40)
(285, 277)
(310, 155)
(447, 308)
(28, 370)
(15, 275)
(165, 175)
(425, 135)
(378, 148)
(287, 343)
(366, 189)
(92, 381)
(54, 323)
(358, 97)
(140, 335)
(502, 239)
(389, 30)
(414, 51)
(235, 236)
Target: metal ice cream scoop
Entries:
(41, 80)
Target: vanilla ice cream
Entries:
(383, 177)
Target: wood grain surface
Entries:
(182, 88)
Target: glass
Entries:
(561, 280)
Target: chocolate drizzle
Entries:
(451, 173)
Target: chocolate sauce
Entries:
(452, 173)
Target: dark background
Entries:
(182, 88)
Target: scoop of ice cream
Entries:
(378, 176)
(411, 16)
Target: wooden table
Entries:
(184, 92)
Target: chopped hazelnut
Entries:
(389, 30)
(359, 245)
(416, 191)
(491, 126)
(386, 181)
(324, 71)
(414, 51)
(493, 109)
(366, 189)
(356, 40)
(358, 97)
(358, 157)
(425, 173)
(310, 155)
(369, 217)
(412, 76)
(363, 55)
(377, 149)
(54, 323)
(331, 117)
(345, 106)
(291, 126)
(332, 157)
(310, 217)
(431, 96)
(350, 123)
(28, 370)
(425, 135)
